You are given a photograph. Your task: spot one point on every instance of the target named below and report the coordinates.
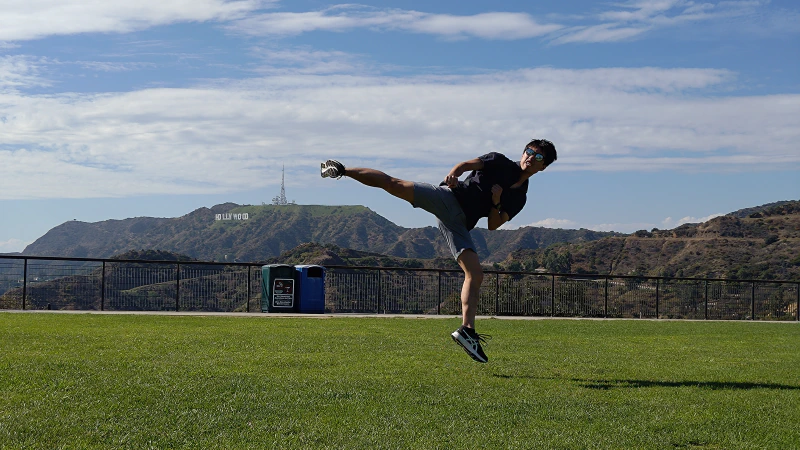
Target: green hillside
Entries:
(764, 243)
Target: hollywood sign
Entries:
(230, 216)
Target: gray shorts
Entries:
(440, 201)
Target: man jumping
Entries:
(496, 188)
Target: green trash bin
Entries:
(278, 288)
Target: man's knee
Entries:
(401, 189)
(470, 264)
(475, 278)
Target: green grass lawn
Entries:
(124, 381)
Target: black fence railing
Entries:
(31, 283)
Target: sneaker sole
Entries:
(323, 169)
(328, 171)
(459, 340)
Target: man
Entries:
(496, 188)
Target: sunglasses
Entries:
(531, 152)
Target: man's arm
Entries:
(497, 216)
(452, 178)
(496, 219)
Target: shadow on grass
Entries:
(628, 384)
(711, 385)
(515, 377)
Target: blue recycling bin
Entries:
(278, 288)
(310, 289)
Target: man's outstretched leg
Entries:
(466, 336)
(375, 178)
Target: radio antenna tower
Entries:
(281, 199)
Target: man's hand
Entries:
(451, 180)
(497, 191)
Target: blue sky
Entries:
(663, 111)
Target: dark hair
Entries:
(546, 147)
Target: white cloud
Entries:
(493, 25)
(625, 21)
(599, 33)
(546, 223)
(232, 136)
(34, 19)
(620, 227)
(103, 66)
(635, 18)
(573, 225)
(496, 25)
(624, 79)
(19, 72)
(12, 246)
(670, 223)
(639, 10)
(304, 60)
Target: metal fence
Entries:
(31, 283)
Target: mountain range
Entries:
(246, 233)
(761, 242)
(754, 243)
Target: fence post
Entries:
(24, 282)
(439, 294)
(605, 300)
(706, 301)
(553, 296)
(797, 310)
(248, 287)
(753, 302)
(103, 288)
(658, 284)
(177, 286)
(380, 293)
(497, 293)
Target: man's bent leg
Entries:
(470, 291)
(465, 336)
(399, 188)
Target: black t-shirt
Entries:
(474, 194)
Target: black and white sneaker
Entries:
(331, 169)
(470, 341)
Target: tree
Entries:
(557, 263)
(531, 263)
(514, 266)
